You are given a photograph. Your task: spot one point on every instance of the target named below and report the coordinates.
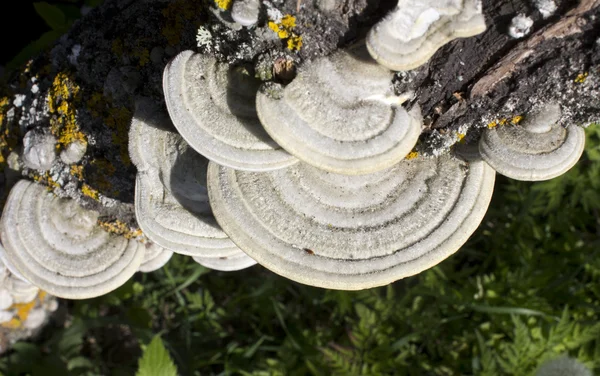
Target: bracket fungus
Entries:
(407, 37)
(155, 258)
(539, 149)
(340, 114)
(213, 108)
(352, 232)
(171, 200)
(58, 246)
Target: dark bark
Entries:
(125, 44)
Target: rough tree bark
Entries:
(86, 86)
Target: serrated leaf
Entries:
(156, 360)
(52, 15)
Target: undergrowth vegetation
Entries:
(523, 290)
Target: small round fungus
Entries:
(213, 107)
(39, 152)
(58, 246)
(245, 12)
(352, 232)
(341, 115)
(73, 152)
(407, 37)
(539, 149)
(155, 257)
(171, 200)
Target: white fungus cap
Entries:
(340, 114)
(407, 37)
(213, 108)
(539, 149)
(57, 245)
(171, 199)
(352, 232)
(155, 257)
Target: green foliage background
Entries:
(524, 289)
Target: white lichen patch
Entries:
(546, 7)
(520, 26)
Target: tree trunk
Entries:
(89, 81)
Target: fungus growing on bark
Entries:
(213, 108)
(340, 114)
(57, 245)
(538, 149)
(171, 200)
(407, 37)
(352, 232)
(155, 258)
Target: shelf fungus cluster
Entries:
(407, 37)
(56, 245)
(171, 199)
(312, 180)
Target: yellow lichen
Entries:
(492, 124)
(119, 120)
(412, 155)
(14, 323)
(288, 21)
(120, 228)
(117, 47)
(143, 55)
(62, 97)
(23, 309)
(284, 31)
(581, 77)
(77, 171)
(294, 43)
(177, 14)
(516, 119)
(223, 4)
(461, 136)
(89, 191)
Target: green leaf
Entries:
(53, 15)
(156, 360)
